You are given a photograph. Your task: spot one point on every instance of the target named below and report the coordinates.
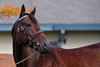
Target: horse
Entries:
(28, 39)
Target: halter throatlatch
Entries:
(32, 43)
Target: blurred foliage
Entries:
(10, 10)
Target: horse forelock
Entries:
(34, 20)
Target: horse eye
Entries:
(28, 25)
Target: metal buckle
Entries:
(18, 30)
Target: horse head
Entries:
(29, 33)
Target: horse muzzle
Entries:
(42, 47)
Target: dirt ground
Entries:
(6, 60)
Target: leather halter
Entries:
(32, 43)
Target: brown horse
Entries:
(28, 39)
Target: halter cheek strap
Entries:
(20, 28)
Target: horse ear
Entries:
(33, 11)
(22, 11)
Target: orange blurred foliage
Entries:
(10, 10)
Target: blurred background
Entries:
(67, 23)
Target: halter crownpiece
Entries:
(22, 17)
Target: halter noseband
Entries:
(32, 42)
